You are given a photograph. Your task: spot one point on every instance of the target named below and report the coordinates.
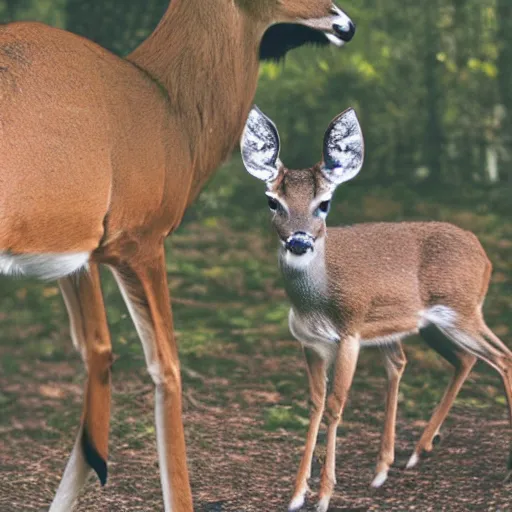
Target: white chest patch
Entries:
(315, 331)
(299, 262)
(42, 266)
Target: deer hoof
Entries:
(413, 461)
(297, 503)
(379, 479)
(323, 505)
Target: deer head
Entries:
(293, 23)
(300, 199)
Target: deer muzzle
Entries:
(337, 27)
(300, 243)
(345, 32)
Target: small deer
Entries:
(368, 285)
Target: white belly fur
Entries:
(317, 331)
(42, 266)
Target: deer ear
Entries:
(260, 146)
(343, 148)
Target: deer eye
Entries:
(273, 204)
(324, 207)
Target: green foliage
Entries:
(47, 11)
(430, 81)
(118, 25)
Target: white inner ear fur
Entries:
(343, 148)
(260, 146)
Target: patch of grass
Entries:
(281, 417)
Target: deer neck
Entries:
(205, 55)
(305, 278)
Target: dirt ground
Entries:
(237, 463)
(245, 396)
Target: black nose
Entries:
(345, 33)
(299, 243)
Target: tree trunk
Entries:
(504, 16)
(433, 139)
(11, 9)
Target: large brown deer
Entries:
(99, 158)
(368, 285)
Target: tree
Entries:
(118, 25)
(504, 17)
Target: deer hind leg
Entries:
(346, 362)
(505, 370)
(144, 288)
(395, 361)
(316, 368)
(89, 330)
(478, 340)
(463, 363)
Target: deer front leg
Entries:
(89, 330)
(316, 368)
(346, 362)
(144, 288)
(395, 361)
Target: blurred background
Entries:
(432, 85)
